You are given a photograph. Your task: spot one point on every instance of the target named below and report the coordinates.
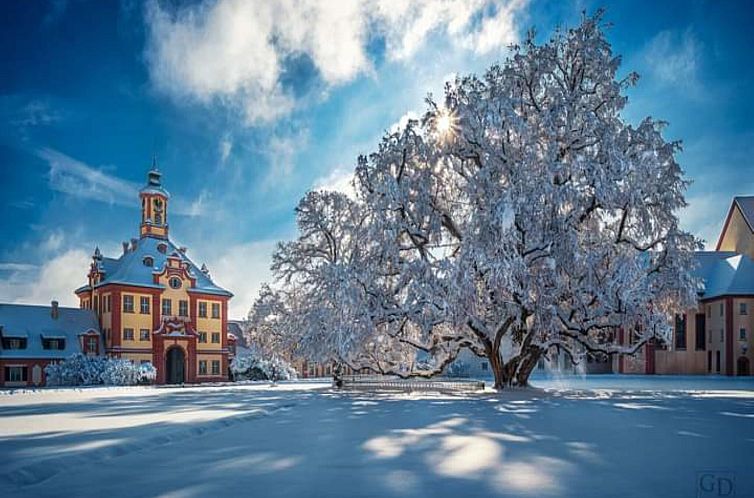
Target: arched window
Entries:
(148, 261)
(162, 247)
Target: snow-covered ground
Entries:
(602, 436)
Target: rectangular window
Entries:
(709, 361)
(202, 309)
(742, 334)
(722, 336)
(144, 305)
(144, 334)
(128, 303)
(742, 309)
(202, 337)
(202, 367)
(721, 309)
(215, 367)
(680, 331)
(717, 361)
(15, 374)
(182, 308)
(167, 307)
(701, 326)
(91, 345)
(14, 343)
(128, 334)
(108, 303)
(215, 310)
(57, 344)
(216, 337)
(96, 304)
(709, 311)
(484, 365)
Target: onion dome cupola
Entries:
(154, 205)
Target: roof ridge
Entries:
(34, 305)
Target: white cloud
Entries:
(234, 52)
(78, 179)
(403, 121)
(56, 279)
(17, 267)
(673, 58)
(339, 180)
(225, 147)
(704, 217)
(240, 268)
(281, 151)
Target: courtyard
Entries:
(570, 436)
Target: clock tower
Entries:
(154, 206)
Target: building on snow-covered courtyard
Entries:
(152, 304)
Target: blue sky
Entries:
(249, 104)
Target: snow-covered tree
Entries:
(523, 215)
(81, 370)
(251, 364)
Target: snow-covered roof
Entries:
(154, 182)
(725, 273)
(36, 322)
(130, 269)
(235, 328)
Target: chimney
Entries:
(133, 244)
(182, 249)
(54, 311)
(125, 247)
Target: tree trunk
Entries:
(337, 377)
(516, 372)
(528, 364)
(498, 370)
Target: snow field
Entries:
(303, 439)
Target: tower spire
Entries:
(154, 204)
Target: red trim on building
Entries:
(649, 358)
(620, 357)
(729, 336)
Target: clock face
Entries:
(175, 283)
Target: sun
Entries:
(445, 123)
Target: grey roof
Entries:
(35, 322)
(746, 205)
(130, 269)
(725, 273)
(235, 327)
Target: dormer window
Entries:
(148, 261)
(14, 343)
(56, 344)
(162, 247)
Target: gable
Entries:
(737, 234)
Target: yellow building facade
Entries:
(155, 305)
(716, 337)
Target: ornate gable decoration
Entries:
(175, 266)
(175, 326)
